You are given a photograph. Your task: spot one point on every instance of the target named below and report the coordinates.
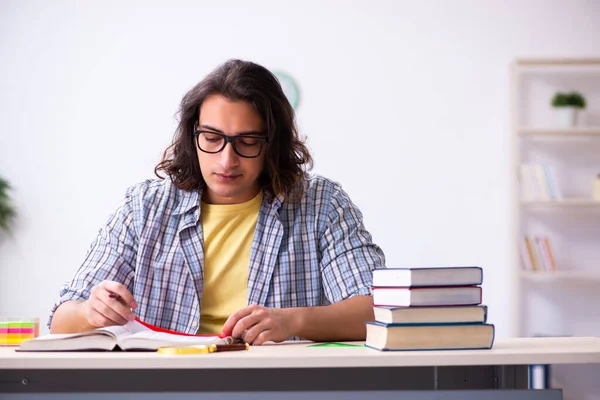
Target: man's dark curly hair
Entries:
(287, 159)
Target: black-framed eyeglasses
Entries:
(247, 146)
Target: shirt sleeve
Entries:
(348, 254)
(110, 257)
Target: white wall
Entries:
(404, 102)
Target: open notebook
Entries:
(132, 336)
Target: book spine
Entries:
(549, 253)
(540, 247)
(541, 182)
(535, 262)
(526, 186)
(526, 263)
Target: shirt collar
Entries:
(189, 200)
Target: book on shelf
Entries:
(536, 254)
(524, 255)
(538, 183)
(397, 337)
(426, 296)
(543, 244)
(132, 336)
(430, 315)
(431, 276)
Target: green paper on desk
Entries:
(335, 344)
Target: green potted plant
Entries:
(567, 106)
(7, 211)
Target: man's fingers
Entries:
(233, 319)
(100, 321)
(248, 322)
(117, 306)
(109, 312)
(255, 331)
(121, 291)
(103, 315)
(262, 338)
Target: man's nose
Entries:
(228, 157)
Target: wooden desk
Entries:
(292, 367)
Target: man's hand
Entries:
(257, 325)
(344, 320)
(110, 303)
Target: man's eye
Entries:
(211, 137)
(248, 141)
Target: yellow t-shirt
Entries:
(228, 233)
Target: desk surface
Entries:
(513, 351)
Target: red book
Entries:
(159, 329)
(427, 296)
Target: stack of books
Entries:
(429, 309)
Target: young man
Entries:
(237, 238)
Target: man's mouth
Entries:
(227, 177)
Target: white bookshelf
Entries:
(562, 204)
(579, 277)
(562, 301)
(586, 132)
(564, 211)
(583, 136)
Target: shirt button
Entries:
(194, 323)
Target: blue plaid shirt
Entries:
(310, 253)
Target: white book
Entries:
(432, 276)
(555, 192)
(526, 262)
(430, 315)
(429, 337)
(132, 336)
(527, 190)
(427, 296)
(540, 248)
(541, 181)
(535, 191)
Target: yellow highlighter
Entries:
(202, 349)
(184, 350)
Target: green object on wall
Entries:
(290, 88)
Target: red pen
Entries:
(158, 328)
(119, 298)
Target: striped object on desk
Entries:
(13, 332)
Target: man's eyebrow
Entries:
(246, 133)
(210, 128)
